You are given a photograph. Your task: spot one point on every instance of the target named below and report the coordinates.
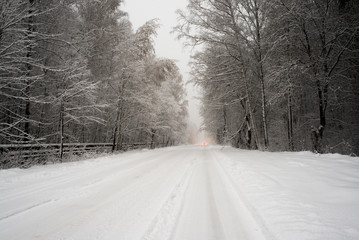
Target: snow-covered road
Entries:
(187, 192)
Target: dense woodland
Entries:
(75, 71)
(277, 74)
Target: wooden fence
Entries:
(15, 155)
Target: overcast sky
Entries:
(166, 45)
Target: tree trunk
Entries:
(249, 133)
(28, 73)
(264, 115)
(114, 138)
(61, 128)
(238, 36)
(322, 98)
(261, 73)
(153, 134)
(42, 114)
(253, 126)
(83, 132)
(115, 129)
(224, 133)
(290, 121)
(290, 97)
(117, 137)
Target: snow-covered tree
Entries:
(292, 61)
(75, 71)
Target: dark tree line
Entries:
(277, 75)
(75, 71)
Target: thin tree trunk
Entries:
(119, 135)
(261, 74)
(290, 97)
(264, 115)
(153, 133)
(41, 116)
(114, 135)
(119, 129)
(115, 140)
(224, 125)
(61, 129)
(28, 73)
(83, 133)
(253, 126)
(290, 121)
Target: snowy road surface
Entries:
(187, 192)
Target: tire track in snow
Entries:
(235, 222)
(217, 225)
(161, 227)
(76, 182)
(250, 209)
(135, 182)
(199, 216)
(211, 208)
(23, 210)
(123, 213)
(64, 179)
(73, 212)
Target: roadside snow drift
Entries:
(188, 192)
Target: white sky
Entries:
(166, 45)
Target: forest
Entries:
(74, 71)
(277, 75)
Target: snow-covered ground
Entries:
(187, 192)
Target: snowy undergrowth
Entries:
(21, 162)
